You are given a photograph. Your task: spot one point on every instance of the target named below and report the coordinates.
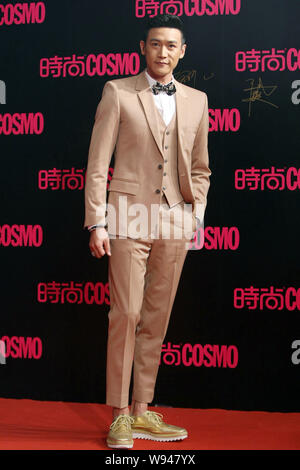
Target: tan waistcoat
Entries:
(170, 182)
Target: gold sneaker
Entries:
(120, 434)
(150, 425)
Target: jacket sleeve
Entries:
(200, 171)
(102, 144)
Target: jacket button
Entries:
(157, 191)
(164, 187)
(166, 147)
(165, 174)
(160, 167)
(168, 132)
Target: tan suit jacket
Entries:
(126, 125)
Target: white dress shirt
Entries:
(166, 104)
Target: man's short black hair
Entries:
(164, 21)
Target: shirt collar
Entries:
(152, 81)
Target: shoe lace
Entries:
(154, 417)
(121, 420)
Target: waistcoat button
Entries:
(160, 167)
(157, 191)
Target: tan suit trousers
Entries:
(143, 280)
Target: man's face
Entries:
(162, 51)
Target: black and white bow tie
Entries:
(170, 88)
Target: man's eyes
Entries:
(172, 46)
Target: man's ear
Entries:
(182, 51)
(142, 46)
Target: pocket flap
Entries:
(123, 186)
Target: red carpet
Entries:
(43, 425)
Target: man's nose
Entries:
(163, 51)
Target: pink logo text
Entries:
(208, 355)
(21, 347)
(273, 60)
(267, 178)
(224, 120)
(73, 292)
(216, 238)
(22, 13)
(21, 235)
(91, 65)
(21, 123)
(271, 298)
(187, 7)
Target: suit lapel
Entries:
(146, 98)
(182, 117)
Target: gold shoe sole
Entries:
(157, 437)
(116, 445)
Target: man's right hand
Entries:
(99, 242)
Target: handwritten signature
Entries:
(190, 76)
(256, 93)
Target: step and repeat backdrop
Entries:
(234, 336)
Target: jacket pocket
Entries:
(123, 186)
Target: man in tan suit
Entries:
(157, 129)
